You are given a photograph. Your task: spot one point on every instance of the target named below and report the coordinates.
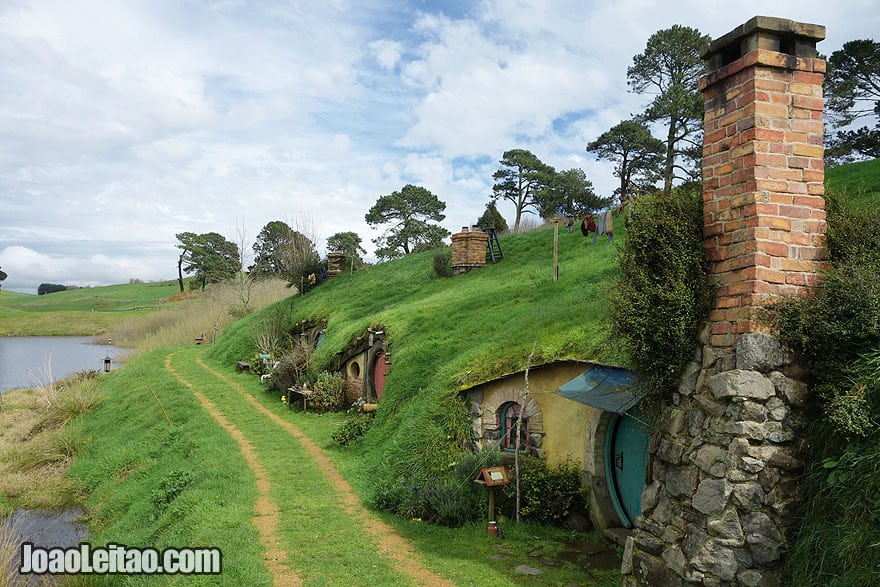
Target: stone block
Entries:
(741, 383)
(748, 496)
(794, 391)
(758, 352)
(727, 527)
(711, 496)
(711, 459)
(680, 482)
(763, 537)
(716, 559)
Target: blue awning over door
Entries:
(607, 388)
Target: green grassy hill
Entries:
(452, 332)
(83, 311)
(859, 181)
(469, 328)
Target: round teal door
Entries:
(626, 460)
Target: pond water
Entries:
(26, 360)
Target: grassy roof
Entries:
(470, 328)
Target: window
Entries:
(509, 414)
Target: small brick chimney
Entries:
(763, 167)
(468, 249)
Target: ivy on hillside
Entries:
(836, 328)
(662, 294)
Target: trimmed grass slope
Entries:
(860, 181)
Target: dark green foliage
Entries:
(442, 264)
(547, 494)
(836, 327)
(520, 180)
(328, 392)
(47, 288)
(2, 275)
(839, 320)
(569, 194)
(407, 212)
(426, 477)
(669, 69)
(210, 256)
(492, 218)
(662, 294)
(349, 244)
(353, 429)
(637, 154)
(852, 89)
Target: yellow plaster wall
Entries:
(566, 424)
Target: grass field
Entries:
(860, 181)
(83, 311)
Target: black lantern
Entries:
(107, 363)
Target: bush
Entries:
(445, 495)
(662, 294)
(353, 429)
(443, 264)
(836, 328)
(547, 494)
(47, 288)
(293, 366)
(328, 392)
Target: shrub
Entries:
(443, 264)
(292, 368)
(836, 328)
(662, 294)
(328, 392)
(352, 429)
(444, 494)
(547, 494)
(47, 288)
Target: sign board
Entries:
(493, 476)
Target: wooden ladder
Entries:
(493, 246)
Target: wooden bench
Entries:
(301, 391)
(242, 366)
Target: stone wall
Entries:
(729, 449)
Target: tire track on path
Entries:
(392, 545)
(266, 513)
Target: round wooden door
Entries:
(626, 460)
(379, 374)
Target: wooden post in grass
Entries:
(556, 221)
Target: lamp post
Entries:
(107, 363)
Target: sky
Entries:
(126, 122)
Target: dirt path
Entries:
(392, 545)
(266, 513)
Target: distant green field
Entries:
(860, 182)
(83, 311)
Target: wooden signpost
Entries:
(492, 477)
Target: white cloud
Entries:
(123, 123)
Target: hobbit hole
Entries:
(366, 363)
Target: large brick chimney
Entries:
(727, 462)
(763, 167)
